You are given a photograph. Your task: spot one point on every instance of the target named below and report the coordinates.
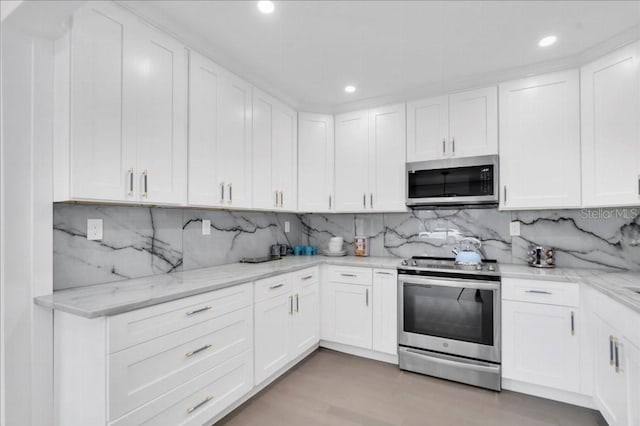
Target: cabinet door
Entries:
(351, 161)
(306, 318)
(347, 311)
(233, 153)
(427, 129)
(385, 311)
(272, 335)
(160, 124)
(611, 129)
(204, 79)
(263, 192)
(540, 142)
(387, 144)
(101, 43)
(632, 371)
(315, 162)
(285, 145)
(540, 344)
(473, 122)
(610, 386)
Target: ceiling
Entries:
(308, 51)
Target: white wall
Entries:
(26, 236)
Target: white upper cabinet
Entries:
(264, 193)
(100, 157)
(233, 152)
(274, 154)
(285, 156)
(351, 161)
(473, 122)
(610, 100)
(459, 125)
(204, 84)
(127, 136)
(315, 162)
(369, 160)
(387, 143)
(540, 142)
(160, 87)
(427, 128)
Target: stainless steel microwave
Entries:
(471, 181)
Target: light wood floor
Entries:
(331, 388)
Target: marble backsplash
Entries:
(592, 238)
(140, 241)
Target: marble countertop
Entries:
(124, 296)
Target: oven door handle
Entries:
(460, 282)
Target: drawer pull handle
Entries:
(273, 287)
(197, 311)
(384, 273)
(539, 292)
(349, 275)
(192, 353)
(200, 404)
(307, 277)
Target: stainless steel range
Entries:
(449, 320)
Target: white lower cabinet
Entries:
(385, 311)
(614, 342)
(286, 320)
(541, 333)
(180, 362)
(347, 307)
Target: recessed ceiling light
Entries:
(547, 41)
(350, 89)
(266, 6)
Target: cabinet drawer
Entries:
(272, 287)
(350, 275)
(306, 276)
(199, 400)
(539, 291)
(142, 325)
(144, 372)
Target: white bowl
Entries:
(335, 249)
(336, 240)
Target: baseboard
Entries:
(361, 352)
(549, 393)
(257, 389)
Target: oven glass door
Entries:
(473, 181)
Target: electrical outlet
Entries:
(206, 227)
(94, 229)
(287, 226)
(514, 228)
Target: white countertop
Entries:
(124, 296)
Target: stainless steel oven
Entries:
(449, 325)
(454, 181)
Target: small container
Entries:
(361, 246)
(275, 250)
(284, 249)
(308, 251)
(298, 250)
(541, 256)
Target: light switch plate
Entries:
(94, 229)
(514, 228)
(206, 227)
(287, 226)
